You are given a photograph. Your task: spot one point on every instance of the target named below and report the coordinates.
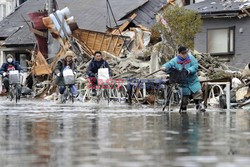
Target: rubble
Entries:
(131, 53)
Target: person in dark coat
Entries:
(9, 66)
(65, 62)
(92, 71)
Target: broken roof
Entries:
(92, 14)
(89, 15)
(21, 37)
(218, 7)
(146, 13)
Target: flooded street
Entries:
(46, 134)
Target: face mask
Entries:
(9, 60)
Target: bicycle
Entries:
(15, 86)
(119, 92)
(67, 95)
(173, 95)
(168, 94)
(103, 93)
(69, 81)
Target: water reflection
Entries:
(52, 135)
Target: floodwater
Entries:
(46, 134)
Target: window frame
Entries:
(228, 41)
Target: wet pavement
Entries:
(46, 134)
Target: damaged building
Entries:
(99, 26)
(93, 19)
(109, 26)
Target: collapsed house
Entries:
(99, 27)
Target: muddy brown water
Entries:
(46, 134)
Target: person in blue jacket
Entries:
(191, 87)
(92, 70)
(8, 66)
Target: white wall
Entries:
(7, 7)
(197, 1)
(1, 57)
(1, 62)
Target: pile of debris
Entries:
(130, 54)
(210, 68)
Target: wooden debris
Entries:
(124, 25)
(40, 66)
(98, 41)
(241, 93)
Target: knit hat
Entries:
(68, 53)
(182, 49)
(9, 56)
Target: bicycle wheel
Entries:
(106, 95)
(64, 96)
(16, 93)
(99, 95)
(11, 93)
(177, 94)
(122, 93)
(168, 97)
(160, 96)
(71, 96)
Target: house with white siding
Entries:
(8, 6)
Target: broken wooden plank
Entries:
(40, 66)
(40, 33)
(94, 40)
(98, 41)
(109, 43)
(103, 36)
(115, 45)
(124, 25)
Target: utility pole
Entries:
(53, 45)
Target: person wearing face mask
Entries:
(66, 61)
(8, 66)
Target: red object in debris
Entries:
(37, 21)
(42, 45)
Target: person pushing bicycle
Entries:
(183, 69)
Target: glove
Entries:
(4, 74)
(58, 74)
(185, 71)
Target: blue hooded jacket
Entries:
(192, 84)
